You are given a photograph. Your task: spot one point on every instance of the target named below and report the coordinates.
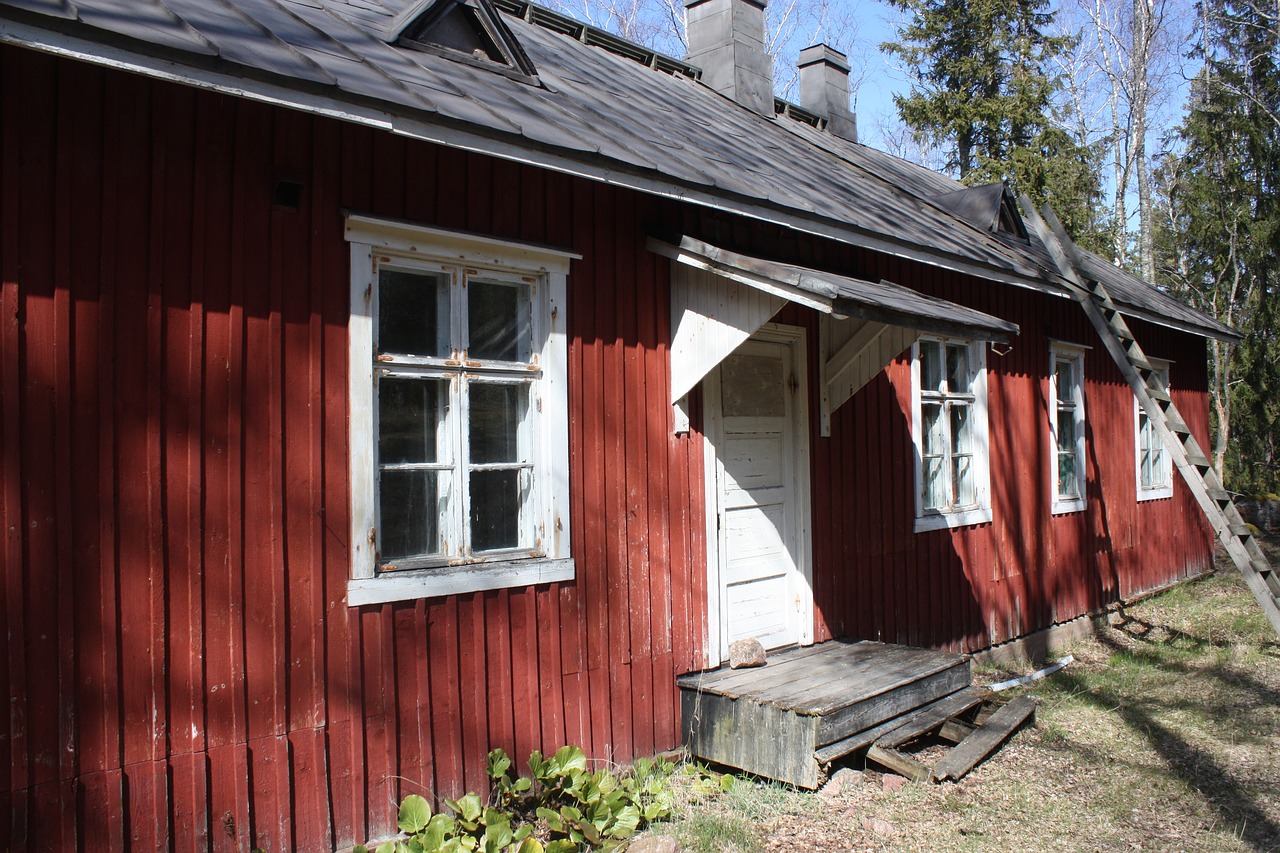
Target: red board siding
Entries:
(182, 668)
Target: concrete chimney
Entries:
(726, 40)
(824, 89)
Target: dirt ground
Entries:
(1164, 734)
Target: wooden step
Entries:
(985, 739)
(931, 717)
(1176, 424)
(1219, 496)
(1159, 395)
(1240, 531)
(1198, 459)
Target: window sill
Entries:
(959, 518)
(1062, 507)
(432, 583)
(1154, 494)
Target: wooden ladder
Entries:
(1148, 386)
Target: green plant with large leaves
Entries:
(562, 807)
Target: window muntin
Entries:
(950, 432)
(1153, 463)
(458, 413)
(454, 372)
(1067, 427)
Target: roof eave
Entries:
(227, 77)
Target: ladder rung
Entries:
(1198, 460)
(1219, 496)
(1176, 424)
(1262, 567)
(1159, 395)
(1240, 531)
(1141, 364)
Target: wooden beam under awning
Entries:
(720, 298)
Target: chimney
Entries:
(824, 89)
(726, 40)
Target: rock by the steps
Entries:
(744, 653)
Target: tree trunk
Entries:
(1143, 38)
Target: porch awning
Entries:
(711, 317)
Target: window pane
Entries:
(411, 418)
(1067, 430)
(930, 366)
(410, 507)
(931, 429)
(1158, 471)
(498, 321)
(1064, 372)
(958, 369)
(413, 313)
(961, 429)
(751, 386)
(1145, 475)
(497, 413)
(496, 499)
(935, 485)
(1068, 485)
(962, 481)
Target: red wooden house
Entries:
(382, 382)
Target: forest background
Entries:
(1151, 126)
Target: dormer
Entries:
(469, 31)
(990, 207)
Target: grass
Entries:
(1163, 735)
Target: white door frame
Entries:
(795, 338)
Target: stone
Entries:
(655, 844)
(879, 826)
(843, 780)
(893, 783)
(744, 653)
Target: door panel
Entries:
(757, 482)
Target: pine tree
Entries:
(982, 93)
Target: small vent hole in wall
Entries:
(287, 194)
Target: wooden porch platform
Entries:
(808, 706)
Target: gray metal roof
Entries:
(595, 113)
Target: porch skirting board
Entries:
(1040, 646)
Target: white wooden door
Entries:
(761, 495)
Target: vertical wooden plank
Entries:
(13, 743)
(498, 666)
(32, 588)
(99, 809)
(173, 126)
(473, 683)
(413, 708)
(147, 799)
(632, 325)
(551, 688)
(336, 154)
(525, 661)
(616, 682)
(308, 775)
(230, 786)
(189, 776)
(137, 397)
(447, 729)
(260, 516)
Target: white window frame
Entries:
(1161, 491)
(980, 511)
(375, 242)
(1060, 351)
